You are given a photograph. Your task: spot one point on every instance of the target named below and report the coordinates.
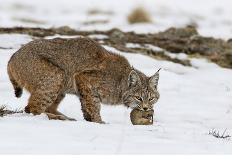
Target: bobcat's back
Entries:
(72, 56)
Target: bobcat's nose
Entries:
(145, 108)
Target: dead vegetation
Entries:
(139, 15)
(217, 134)
(6, 48)
(28, 20)
(93, 22)
(4, 111)
(174, 40)
(96, 11)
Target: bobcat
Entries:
(49, 69)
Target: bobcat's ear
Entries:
(133, 79)
(153, 80)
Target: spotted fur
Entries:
(49, 69)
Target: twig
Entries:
(5, 48)
(217, 134)
(4, 111)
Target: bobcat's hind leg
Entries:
(47, 86)
(52, 111)
(39, 101)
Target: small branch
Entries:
(5, 48)
(4, 111)
(217, 134)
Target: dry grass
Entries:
(93, 22)
(28, 20)
(217, 134)
(96, 11)
(139, 15)
(4, 111)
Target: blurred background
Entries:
(212, 18)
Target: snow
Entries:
(213, 18)
(194, 100)
(180, 56)
(13, 40)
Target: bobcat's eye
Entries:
(138, 98)
(151, 99)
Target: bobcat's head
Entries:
(142, 91)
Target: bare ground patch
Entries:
(174, 40)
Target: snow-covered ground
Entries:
(194, 100)
(213, 17)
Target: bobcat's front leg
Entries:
(90, 107)
(90, 102)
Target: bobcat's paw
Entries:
(59, 117)
(97, 121)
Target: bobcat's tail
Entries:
(17, 88)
